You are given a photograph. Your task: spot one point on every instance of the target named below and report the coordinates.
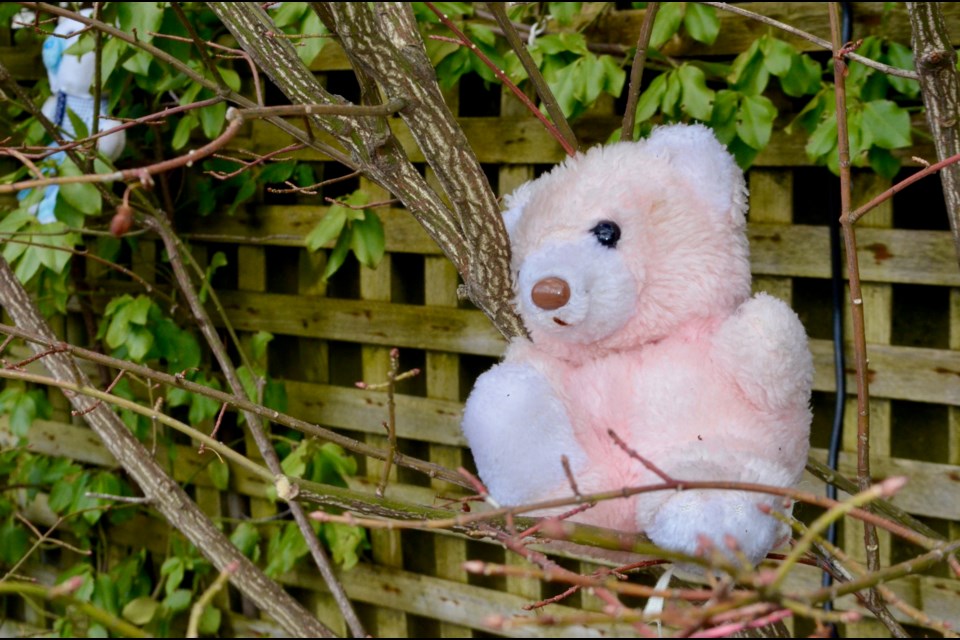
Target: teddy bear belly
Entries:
(681, 413)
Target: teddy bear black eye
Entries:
(608, 233)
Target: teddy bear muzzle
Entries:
(550, 293)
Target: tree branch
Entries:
(936, 63)
(166, 495)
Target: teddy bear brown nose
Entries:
(550, 293)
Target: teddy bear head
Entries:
(628, 243)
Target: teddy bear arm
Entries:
(518, 431)
(764, 347)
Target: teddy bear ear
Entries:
(514, 203)
(693, 151)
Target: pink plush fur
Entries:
(659, 340)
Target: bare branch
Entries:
(636, 72)
(533, 73)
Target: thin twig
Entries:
(391, 420)
(201, 49)
(258, 159)
(903, 184)
(254, 423)
(466, 42)
(636, 456)
(76, 412)
(196, 611)
(820, 42)
(870, 540)
(636, 71)
(533, 73)
(885, 489)
(245, 404)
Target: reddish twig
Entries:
(870, 539)
(361, 207)
(312, 189)
(565, 461)
(526, 533)
(153, 118)
(636, 456)
(75, 412)
(463, 40)
(61, 348)
(498, 9)
(930, 169)
(216, 428)
(258, 159)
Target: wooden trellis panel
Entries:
(329, 335)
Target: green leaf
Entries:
(755, 122)
(749, 75)
(212, 119)
(902, 57)
(83, 197)
(14, 542)
(367, 241)
(564, 12)
(140, 610)
(803, 78)
(288, 13)
(28, 265)
(177, 601)
(139, 310)
(110, 55)
(231, 77)
(284, 549)
(145, 17)
(277, 172)
(246, 538)
(823, 140)
(80, 130)
(650, 99)
(258, 346)
(883, 162)
(697, 97)
(666, 23)
(61, 496)
(181, 135)
(778, 56)
(219, 260)
(201, 407)
(332, 465)
(219, 475)
(139, 63)
(173, 568)
(309, 48)
(329, 227)
(338, 255)
(671, 97)
(345, 542)
(209, 620)
(888, 122)
(701, 22)
(247, 189)
(295, 464)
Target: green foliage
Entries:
(876, 123)
(356, 229)
(328, 464)
(576, 76)
(699, 21)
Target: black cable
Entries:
(839, 287)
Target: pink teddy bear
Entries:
(632, 275)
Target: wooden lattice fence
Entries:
(330, 335)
